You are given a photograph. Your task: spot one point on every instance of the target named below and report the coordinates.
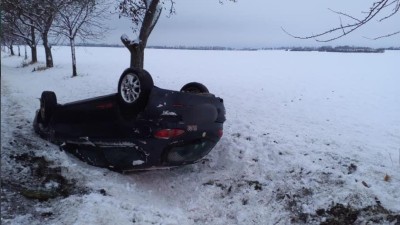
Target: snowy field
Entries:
(310, 138)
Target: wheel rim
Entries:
(130, 88)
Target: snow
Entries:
(168, 113)
(125, 39)
(305, 126)
(138, 162)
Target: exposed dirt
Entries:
(45, 180)
(35, 181)
(339, 214)
(29, 182)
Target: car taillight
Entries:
(220, 133)
(168, 133)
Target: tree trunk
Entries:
(34, 53)
(33, 46)
(47, 51)
(11, 50)
(137, 49)
(26, 53)
(19, 51)
(137, 52)
(149, 21)
(137, 57)
(72, 43)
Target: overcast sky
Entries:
(257, 23)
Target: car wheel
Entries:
(194, 87)
(48, 102)
(134, 88)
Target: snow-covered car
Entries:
(140, 127)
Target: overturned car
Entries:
(140, 127)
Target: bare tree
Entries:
(144, 15)
(380, 9)
(13, 27)
(7, 39)
(82, 19)
(39, 15)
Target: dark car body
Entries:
(174, 128)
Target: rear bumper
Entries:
(128, 154)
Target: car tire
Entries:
(134, 88)
(48, 102)
(194, 87)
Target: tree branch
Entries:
(375, 10)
